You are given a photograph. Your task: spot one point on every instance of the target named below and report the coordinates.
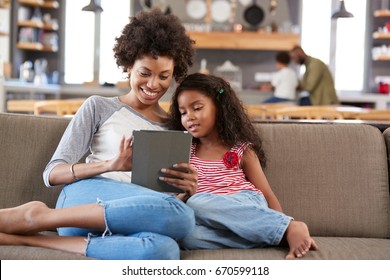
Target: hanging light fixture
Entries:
(342, 12)
(93, 7)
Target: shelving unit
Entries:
(244, 40)
(36, 33)
(37, 26)
(380, 43)
(380, 35)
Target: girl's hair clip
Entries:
(221, 91)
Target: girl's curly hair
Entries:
(156, 34)
(233, 123)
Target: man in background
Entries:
(317, 84)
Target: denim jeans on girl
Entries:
(140, 223)
(240, 220)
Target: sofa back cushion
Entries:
(332, 176)
(26, 146)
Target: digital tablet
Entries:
(156, 149)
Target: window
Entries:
(349, 37)
(80, 45)
(316, 28)
(350, 55)
(114, 18)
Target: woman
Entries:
(99, 213)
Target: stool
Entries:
(21, 106)
(60, 107)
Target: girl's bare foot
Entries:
(22, 219)
(299, 240)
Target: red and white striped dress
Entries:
(214, 176)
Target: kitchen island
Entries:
(30, 91)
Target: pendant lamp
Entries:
(342, 12)
(92, 7)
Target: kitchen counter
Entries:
(375, 100)
(24, 90)
(28, 89)
(249, 96)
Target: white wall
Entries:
(4, 40)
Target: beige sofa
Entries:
(332, 176)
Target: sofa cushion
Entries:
(332, 176)
(24, 158)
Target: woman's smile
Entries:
(151, 94)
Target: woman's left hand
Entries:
(186, 180)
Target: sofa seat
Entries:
(331, 248)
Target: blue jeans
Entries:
(274, 99)
(240, 220)
(140, 223)
(304, 101)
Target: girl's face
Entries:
(198, 113)
(150, 78)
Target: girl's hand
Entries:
(123, 161)
(185, 180)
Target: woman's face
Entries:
(150, 78)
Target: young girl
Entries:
(234, 205)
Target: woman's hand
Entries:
(186, 180)
(123, 161)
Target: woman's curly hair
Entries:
(156, 34)
(233, 123)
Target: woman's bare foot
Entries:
(8, 239)
(22, 219)
(72, 244)
(299, 240)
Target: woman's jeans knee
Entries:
(137, 246)
(132, 214)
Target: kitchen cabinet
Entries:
(251, 51)
(245, 40)
(35, 33)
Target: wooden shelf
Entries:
(381, 35)
(4, 6)
(35, 47)
(40, 3)
(382, 13)
(244, 40)
(38, 24)
(382, 58)
(2, 33)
